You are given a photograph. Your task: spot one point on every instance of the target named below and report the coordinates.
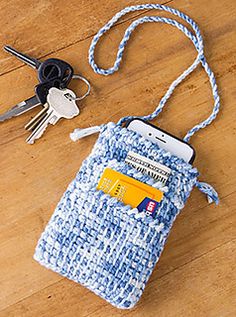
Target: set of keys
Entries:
(52, 93)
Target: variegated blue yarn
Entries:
(97, 241)
(94, 239)
(208, 190)
(196, 38)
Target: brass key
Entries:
(36, 119)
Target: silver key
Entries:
(61, 104)
(20, 108)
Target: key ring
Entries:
(76, 76)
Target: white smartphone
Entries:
(164, 139)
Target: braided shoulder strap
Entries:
(196, 39)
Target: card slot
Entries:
(129, 193)
(174, 190)
(112, 202)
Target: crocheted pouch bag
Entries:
(96, 240)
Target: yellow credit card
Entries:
(127, 189)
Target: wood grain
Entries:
(196, 274)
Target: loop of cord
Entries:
(196, 38)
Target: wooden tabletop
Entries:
(196, 273)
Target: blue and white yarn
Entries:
(195, 38)
(97, 241)
(94, 239)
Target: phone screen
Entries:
(164, 139)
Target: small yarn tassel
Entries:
(81, 133)
(207, 189)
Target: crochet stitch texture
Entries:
(94, 239)
(99, 242)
